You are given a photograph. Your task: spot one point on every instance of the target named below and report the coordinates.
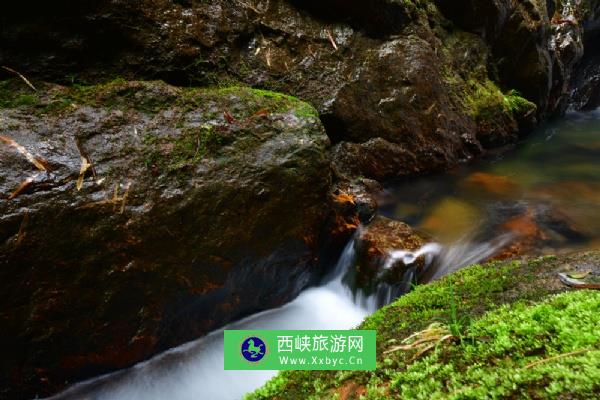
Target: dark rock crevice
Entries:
(377, 18)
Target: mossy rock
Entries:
(515, 334)
(188, 218)
(390, 77)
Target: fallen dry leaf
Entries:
(260, 113)
(578, 275)
(228, 117)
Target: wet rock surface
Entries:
(172, 232)
(387, 76)
(373, 244)
(536, 45)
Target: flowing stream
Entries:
(547, 188)
(553, 179)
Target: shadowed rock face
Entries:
(382, 69)
(201, 206)
(536, 45)
(586, 85)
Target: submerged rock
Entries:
(199, 207)
(533, 228)
(491, 184)
(451, 218)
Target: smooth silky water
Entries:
(556, 169)
(554, 174)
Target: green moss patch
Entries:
(504, 316)
(180, 152)
(547, 350)
(149, 97)
(14, 94)
(487, 102)
(270, 101)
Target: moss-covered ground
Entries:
(514, 332)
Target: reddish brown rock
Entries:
(374, 242)
(538, 227)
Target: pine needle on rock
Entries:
(39, 162)
(86, 164)
(20, 76)
(23, 186)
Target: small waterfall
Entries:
(194, 370)
(429, 251)
(461, 254)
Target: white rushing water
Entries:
(195, 370)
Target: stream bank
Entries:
(511, 335)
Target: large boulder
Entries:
(536, 45)
(136, 216)
(387, 76)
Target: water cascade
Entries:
(195, 370)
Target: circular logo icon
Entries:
(253, 349)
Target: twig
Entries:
(545, 360)
(330, 36)
(20, 76)
(250, 6)
(86, 163)
(24, 185)
(124, 200)
(114, 201)
(424, 340)
(86, 155)
(115, 198)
